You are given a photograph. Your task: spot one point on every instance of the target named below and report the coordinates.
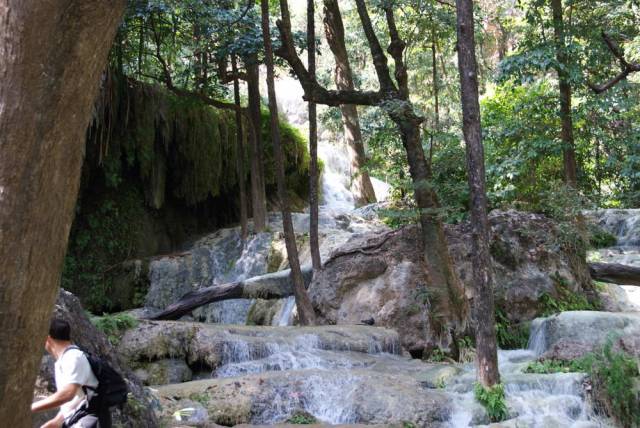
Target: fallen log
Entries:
(615, 273)
(270, 286)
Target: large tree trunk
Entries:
(52, 55)
(566, 134)
(258, 193)
(239, 151)
(303, 303)
(314, 243)
(483, 315)
(361, 187)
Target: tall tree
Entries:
(566, 119)
(239, 150)
(483, 314)
(303, 303)
(314, 243)
(52, 55)
(449, 302)
(361, 186)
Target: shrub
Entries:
(493, 400)
(114, 325)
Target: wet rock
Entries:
(138, 411)
(569, 335)
(213, 346)
(354, 396)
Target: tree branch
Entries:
(396, 49)
(627, 68)
(313, 91)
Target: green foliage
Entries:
(600, 238)
(565, 300)
(493, 400)
(510, 335)
(114, 325)
(200, 397)
(302, 418)
(555, 366)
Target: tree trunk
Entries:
(239, 151)
(52, 55)
(269, 286)
(303, 303)
(258, 194)
(314, 243)
(483, 315)
(436, 110)
(566, 134)
(615, 273)
(361, 187)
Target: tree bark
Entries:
(269, 286)
(52, 55)
(314, 242)
(361, 186)
(566, 133)
(303, 303)
(240, 151)
(258, 193)
(615, 273)
(483, 311)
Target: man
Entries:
(74, 379)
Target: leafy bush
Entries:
(114, 325)
(510, 335)
(566, 300)
(600, 238)
(302, 418)
(493, 400)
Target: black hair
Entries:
(59, 329)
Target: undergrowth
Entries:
(493, 400)
(114, 325)
(510, 335)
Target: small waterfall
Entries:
(623, 224)
(537, 337)
(284, 317)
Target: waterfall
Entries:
(623, 224)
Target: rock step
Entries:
(208, 347)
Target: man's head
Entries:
(59, 334)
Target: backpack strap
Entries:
(84, 387)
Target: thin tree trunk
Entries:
(140, 46)
(52, 54)
(239, 151)
(434, 73)
(258, 194)
(566, 134)
(483, 315)
(303, 303)
(361, 187)
(314, 243)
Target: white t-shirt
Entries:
(73, 367)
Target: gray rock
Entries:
(353, 396)
(164, 371)
(571, 334)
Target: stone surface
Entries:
(214, 347)
(569, 335)
(390, 284)
(137, 412)
(164, 371)
(353, 396)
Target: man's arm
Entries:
(63, 395)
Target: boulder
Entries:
(390, 285)
(570, 335)
(137, 412)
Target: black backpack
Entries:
(112, 390)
